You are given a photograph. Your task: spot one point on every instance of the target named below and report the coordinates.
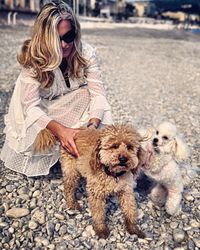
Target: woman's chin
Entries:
(66, 53)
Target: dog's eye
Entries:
(157, 132)
(165, 138)
(129, 147)
(115, 146)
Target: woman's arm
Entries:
(98, 103)
(30, 99)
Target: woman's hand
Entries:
(66, 138)
(65, 135)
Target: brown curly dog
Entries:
(109, 158)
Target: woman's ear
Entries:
(180, 149)
(95, 157)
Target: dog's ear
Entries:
(146, 134)
(141, 154)
(95, 157)
(180, 149)
(141, 161)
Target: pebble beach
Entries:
(151, 75)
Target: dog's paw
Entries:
(103, 233)
(136, 231)
(133, 229)
(173, 210)
(74, 206)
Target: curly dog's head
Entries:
(167, 140)
(118, 150)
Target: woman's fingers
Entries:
(67, 147)
(73, 146)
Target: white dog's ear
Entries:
(146, 134)
(181, 149)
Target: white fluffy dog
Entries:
(167, 154)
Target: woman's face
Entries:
(63, 27)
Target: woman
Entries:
(60, 88)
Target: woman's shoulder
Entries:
(87, 49)
(28, 72)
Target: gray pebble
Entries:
(63, 230)
(197, 242)
(178, 235)
(50, 228)
(32, 225)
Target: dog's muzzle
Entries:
(113, 174)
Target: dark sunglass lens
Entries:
(69, 36)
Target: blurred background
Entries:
(183, 12)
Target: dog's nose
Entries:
(155, 141)
(123, 159)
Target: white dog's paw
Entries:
(173, 210)
(158, 195)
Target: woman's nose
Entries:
(64, 44)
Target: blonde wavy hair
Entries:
(43, 52)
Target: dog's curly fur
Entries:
(109, 158)
(166, 167)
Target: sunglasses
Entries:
(69, 36)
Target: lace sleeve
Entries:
(96, 88)
(30, 100)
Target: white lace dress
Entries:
(32, 108)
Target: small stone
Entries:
(191, 245)
(89, 231)
(79, 216)
(188, 197)
(50, 228)
(10, 188)
(36, 193)
(197, 242)
(59, 216)
(24, 197)
(39, 217)
(57, 227)
(12, 177)
(103, 242)
(16, 224)
(143, 241)
(51, 246)
(140, 214)
(32, 225)
(32, 204)
(5, 206)
(56, 182)
(44, 242)
(194, 224)
(120, 246)
(3, 224)
(11, 230)
(187, 228)
(71, 212)
(112, 239)
(17, 212)
(173, 224)
(178, 235)
(63, 230)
